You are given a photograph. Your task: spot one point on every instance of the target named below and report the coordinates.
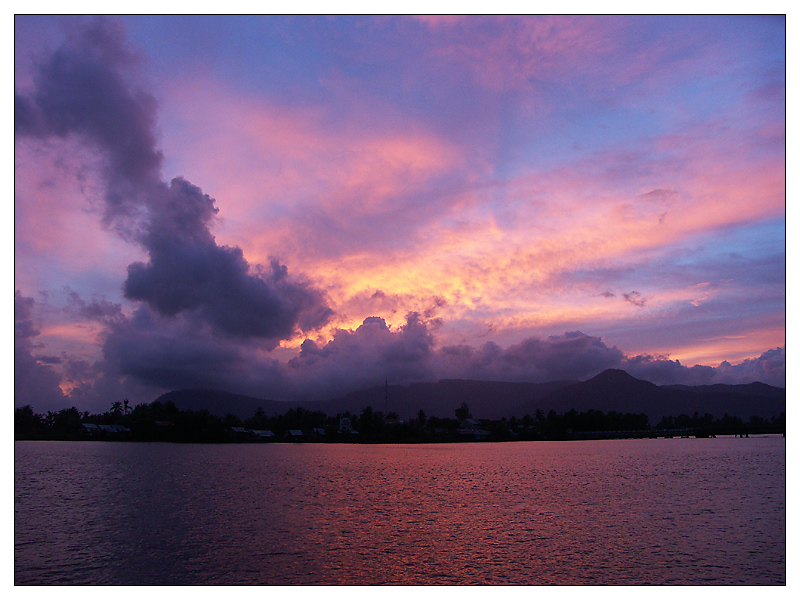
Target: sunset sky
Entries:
(298, 207)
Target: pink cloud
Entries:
(472, 214)
(57, 233)
(515, 52)
(288, 183)
(271, 167)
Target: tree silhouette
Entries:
(370, 423)
(126, 402)
(25, 419)
(67, 421)
(116, 407)
(258, 420)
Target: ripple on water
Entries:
(607, 512)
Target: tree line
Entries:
(164, 421)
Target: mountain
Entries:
(616, 390)
(610, 390)
(750, 389)
(221, 403)
(486, 399)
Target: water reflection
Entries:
(611, 512)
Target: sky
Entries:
(300, 207)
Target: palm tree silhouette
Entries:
(116, 407)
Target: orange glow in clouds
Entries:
(511, 177)
(385, 238)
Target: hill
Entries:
(610, 390)
(617, 390)
(486, 399)
(221, 403)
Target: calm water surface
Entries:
(680, 511)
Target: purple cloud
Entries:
(571, 356)
(98, 309)
(35, 381)
(635, 298)
(390, 158)
(365, 356)
(769, 368)
(85, 89)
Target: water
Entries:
(680, 511)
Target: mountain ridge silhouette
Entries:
(612, 389)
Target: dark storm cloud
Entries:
(178, 353)
(189, 271)
(663, 371)
(153, 353)
(365, 357)
(84, 89)
(572, 356)
(769, 368)
(175, 353)
(181, 353)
